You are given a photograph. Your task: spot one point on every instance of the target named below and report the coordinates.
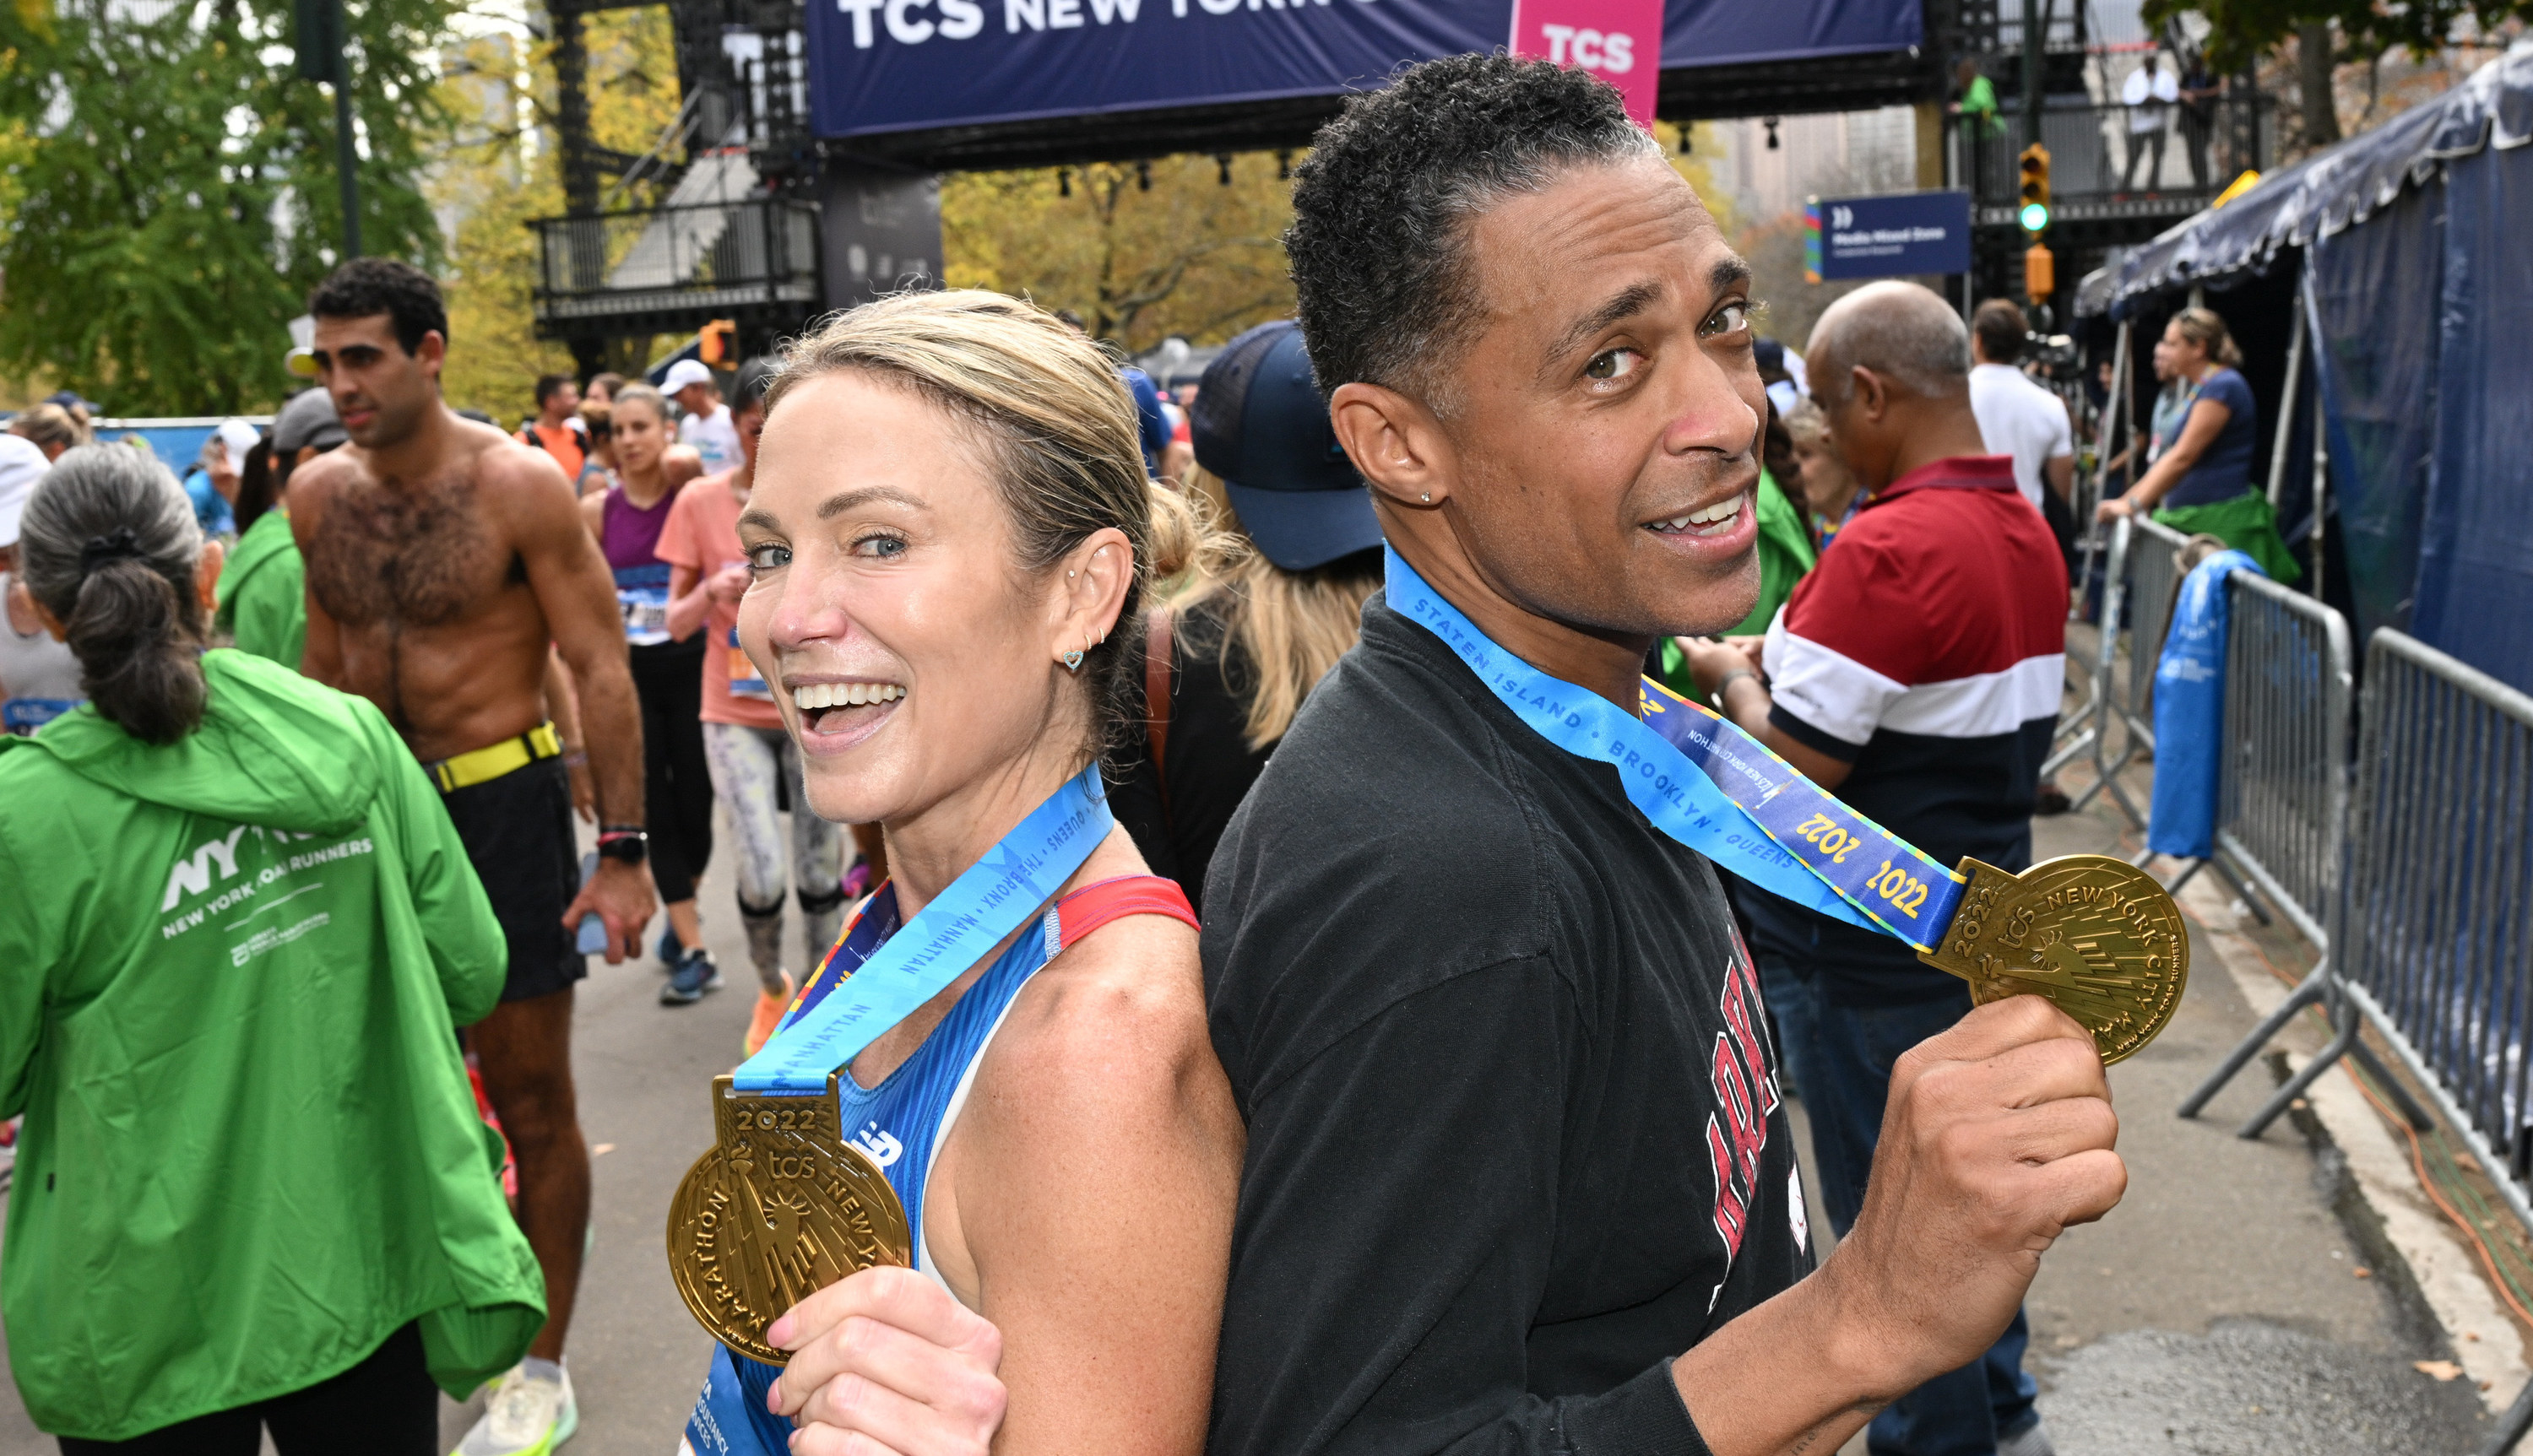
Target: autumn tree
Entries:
(171, 193)
(501, 167)
(2242, 31)
(1140, 250)
(1188, 245)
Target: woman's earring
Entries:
(1071, 660)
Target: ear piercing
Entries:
(1071, 660)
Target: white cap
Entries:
(21, 464)
(683, 372)
(240, 436)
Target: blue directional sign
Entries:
(1908, 232)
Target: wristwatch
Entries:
(626, 843)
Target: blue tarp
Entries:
(2372, 291)
(904, 64)
(2419, 283)
(2475, 578)
(2190, 713)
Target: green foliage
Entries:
(2244, 30)
(1188, 255)
(174, 190)
(495, 174)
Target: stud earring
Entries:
(1428, 495)
(1071, 660)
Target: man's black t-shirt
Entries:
(1514, 1125)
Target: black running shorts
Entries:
(517, 832)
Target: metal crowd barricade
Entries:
(2143, 578)
(2439, 914)
(2434, 921)
(2282, 800)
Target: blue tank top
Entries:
(902, 1122)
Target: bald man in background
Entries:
(1915, 674)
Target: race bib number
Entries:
(744, 681)
(22, 716)
(642, 594)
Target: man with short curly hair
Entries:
(1517, 1178)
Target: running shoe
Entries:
(695, 975)
(527, 1415)
(768, 1014)
(2030, 1440)
(672, 950)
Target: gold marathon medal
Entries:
(782, 1207)
(2096, 936)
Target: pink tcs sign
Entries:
(1617, 40)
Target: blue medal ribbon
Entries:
(1711, 787)
(858, 999)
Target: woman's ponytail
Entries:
(109, 545)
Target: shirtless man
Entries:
(442, 559)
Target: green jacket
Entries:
(1785, 555)
(262, 591)
(231, 971)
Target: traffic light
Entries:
(2040, 272)
(2035, 216)
(717, 344)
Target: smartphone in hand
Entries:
(593, 927)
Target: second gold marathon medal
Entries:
(784, 1203)
(2096, 936)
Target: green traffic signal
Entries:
(2035, 217)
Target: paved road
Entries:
(2215, 1311)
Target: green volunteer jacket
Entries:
(262, 591)
(230, 973)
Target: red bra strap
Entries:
(1093, 906)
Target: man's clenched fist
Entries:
(1998, 1135)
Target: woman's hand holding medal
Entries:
(890, 1356)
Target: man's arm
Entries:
(578, 598)
(2058, 473)
(1748, 704)
(1997, 1139)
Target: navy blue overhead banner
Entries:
(1718, 32)
(907, 65)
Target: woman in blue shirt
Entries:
(2201, 481)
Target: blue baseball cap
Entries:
(1258, 423)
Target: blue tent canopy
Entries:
(2417, 285)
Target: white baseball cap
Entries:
(683, 372)
(21, 464)
(240, 436)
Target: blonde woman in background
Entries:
(1829, 486)
(1227, 665)
(2200, 482)
(52, 427)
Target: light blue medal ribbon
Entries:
(1711, 787)
(994, 897)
